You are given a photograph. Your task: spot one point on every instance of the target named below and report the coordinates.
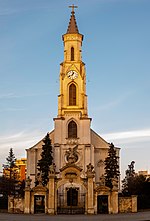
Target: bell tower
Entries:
(72, 124)
(72, 96)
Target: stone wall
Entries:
(128, 204)
(15, 205)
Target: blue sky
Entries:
(116, 51)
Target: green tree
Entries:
(128, 183)
(10, 165)
(111, 166)
(139, 185)
(46, 159)
(9, 174)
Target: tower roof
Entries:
(72, 27)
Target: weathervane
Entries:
(73, 7)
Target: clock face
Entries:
(72, 75)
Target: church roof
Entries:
(72, 27)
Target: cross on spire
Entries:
(73, 7)
(72, 27)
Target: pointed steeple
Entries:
(72, 27)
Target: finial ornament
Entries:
(73, 7)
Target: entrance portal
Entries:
(39, 204)
(71, 201)
(102, 204)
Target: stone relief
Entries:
(100, 163)
(71, 141)
(72, 155)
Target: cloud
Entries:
(19, 9)
(21, 139)
(128, 136)
(13, 95)
(6, 96)
(19, 142)
(7, 11)
(115, 102)
(11, 109)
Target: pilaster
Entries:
(90, 193)
(27, 198)
(51, 188)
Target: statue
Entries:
(102, 180)
(28, 182)
(115, 183)
(71, 155)
(90, 168)
(39, 179)
(52, 168)
(90, 172)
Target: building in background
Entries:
(18, 171)
(144, 173)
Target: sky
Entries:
(116, 51)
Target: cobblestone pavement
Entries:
(140, 216)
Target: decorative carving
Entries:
(100, 163)
(90, 172)
(71, 141)
(102, 180)
(71, 176)
(71, 155)
(28, 182)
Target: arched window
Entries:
(72, 53)
(72, 129)
(72, 95)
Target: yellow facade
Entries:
(19, 170)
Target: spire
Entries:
(72, 27)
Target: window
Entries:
(72, 95)
(72, 130)
(72, 53)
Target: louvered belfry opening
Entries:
(72, 53)
(72, 130)
(72, 95)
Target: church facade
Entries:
(76, 180)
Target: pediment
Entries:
(39, 188)
(103, 189)
(69, 167)
(70, 172)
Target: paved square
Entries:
(141, 216)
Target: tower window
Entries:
(72, 95)
(72, 53)
(72, 130)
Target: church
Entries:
(76, 180)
